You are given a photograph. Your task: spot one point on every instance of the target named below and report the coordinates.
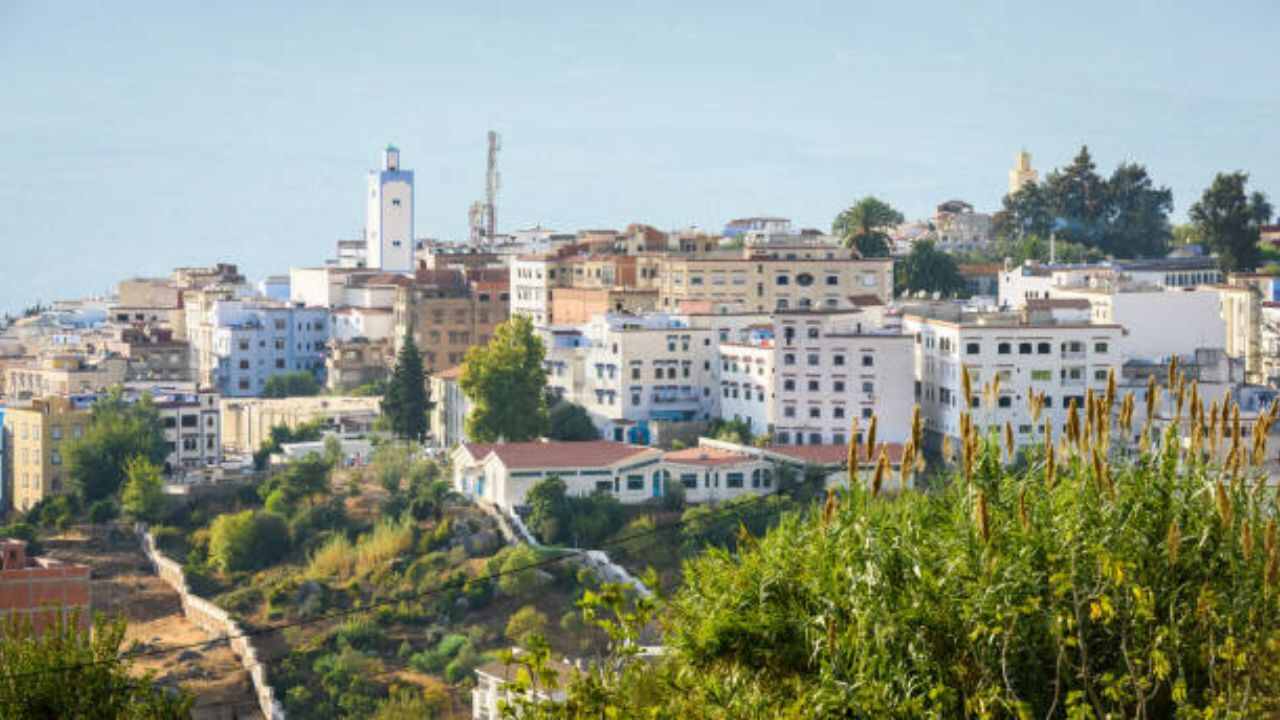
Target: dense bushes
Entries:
(558, 518)
(247, 540)
(340, 559)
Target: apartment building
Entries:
(448, 312)
(1200, 322)
(575, 306)
(638, 370)
(152, 354)
(1049, 348)
(449, 408)
(63, 374)
(36, 435)
(352, 363)
(775, 278)
(804, 377)
(1035, 280)
(239, 345)
(192, 425)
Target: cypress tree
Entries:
(405, 400)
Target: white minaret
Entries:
(1022, 172)
(388, 228)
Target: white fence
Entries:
(215, 621)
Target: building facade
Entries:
(240, 345)
(389, 218)
(448, 314)
(36, 435)
(42, 591)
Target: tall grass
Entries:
(341, 560)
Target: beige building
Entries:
(247, 422)
(576, 306)
(448, 313)
(449, 408)
(35, 438)
(1022, 173)
(352, 363)
(152, 354)
(64, 374)
(775, 278)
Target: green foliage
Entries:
(864, 226)
(557, 518)
(300, 383)
(1125, 215)
(117, 431)
(299, 480)
(1230, 220)
(930, 270)
(516, 581)
(734, 431)
(404, 403)
(247, 540)
(57, 511)
(102, 511)
(505, 380)
(340, 559)
(435, 660)
(570, 422)
(34, 682)
(143, 496)
(408, 704)
(283, 434)
(23, 531)
(525, 622)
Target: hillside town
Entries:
(454, 390)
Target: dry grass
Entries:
(341, 560)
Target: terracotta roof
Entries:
(452, 373)
(980, 268)
(833, 454)
(865, 301)
(706, 456)
(556, 454)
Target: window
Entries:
(837, 360)
(279, 363)
(1100, 347)
(812, 333)
(244, 364)
(815, 438)
(789, 411)
(1043, 348)
(789, 385)
(868, 387)
(868, 361)
(972, 348)
(838, 386)
(1004, 348)
(837, 412)
(833, 279)
(733, 480)
(814, 386)
(782, 280)
(635, 373)
(604, 486)
(789, 359)
(190, 421)
(1024, 348)
(689, 480)
(635, 482)
(866, 413)
(55, 457)
(815, 412)
(1042, 375)
(814, 360)
(1100, 375)
(1005, 401)
(804, 279)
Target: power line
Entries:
(735, 508)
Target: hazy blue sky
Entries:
(139, 136)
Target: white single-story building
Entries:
(502, 473)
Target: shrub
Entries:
(517, 581)
(525, 622)
(388, 540)
(335, 559)
(102, 511)
(247, 540)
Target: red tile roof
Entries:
(555, 454)
(706, 456)
(834, 454)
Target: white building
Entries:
(804, 378)
(192, 426)
(1157, 322)
(502, 473)
(532, 277)
(389, 220)
(492, 687)
(239, 345)
(1049, 348)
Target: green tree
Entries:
(524, 622)
(1137, 214)
(571, 422)
(1230, 220)
(63, 672)
(298, 480)
(1079, 200)
(929, 269)
(1103, 583)
(519, 579)
(143, 496)
(1186, 234)
(405, 400)
(247, 540)
(118, 431)
(549, 509)
(281, 435)
(864, 226)
(291, 384)
(505, 380)
(1027, 212)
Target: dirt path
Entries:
(122, 583)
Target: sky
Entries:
(136, 137)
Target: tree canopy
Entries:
(404, 401)
(1078, 580)
(291, 384)
(570, 421)
(864, 226)
(143, 495)
(1230, 220)
(928, 269)
(118, 431)
(36, 682)
(1125, 215)
(505, 382)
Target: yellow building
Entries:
(247, 422)
(775, 278)
(35, 437)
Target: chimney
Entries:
(14, 553)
